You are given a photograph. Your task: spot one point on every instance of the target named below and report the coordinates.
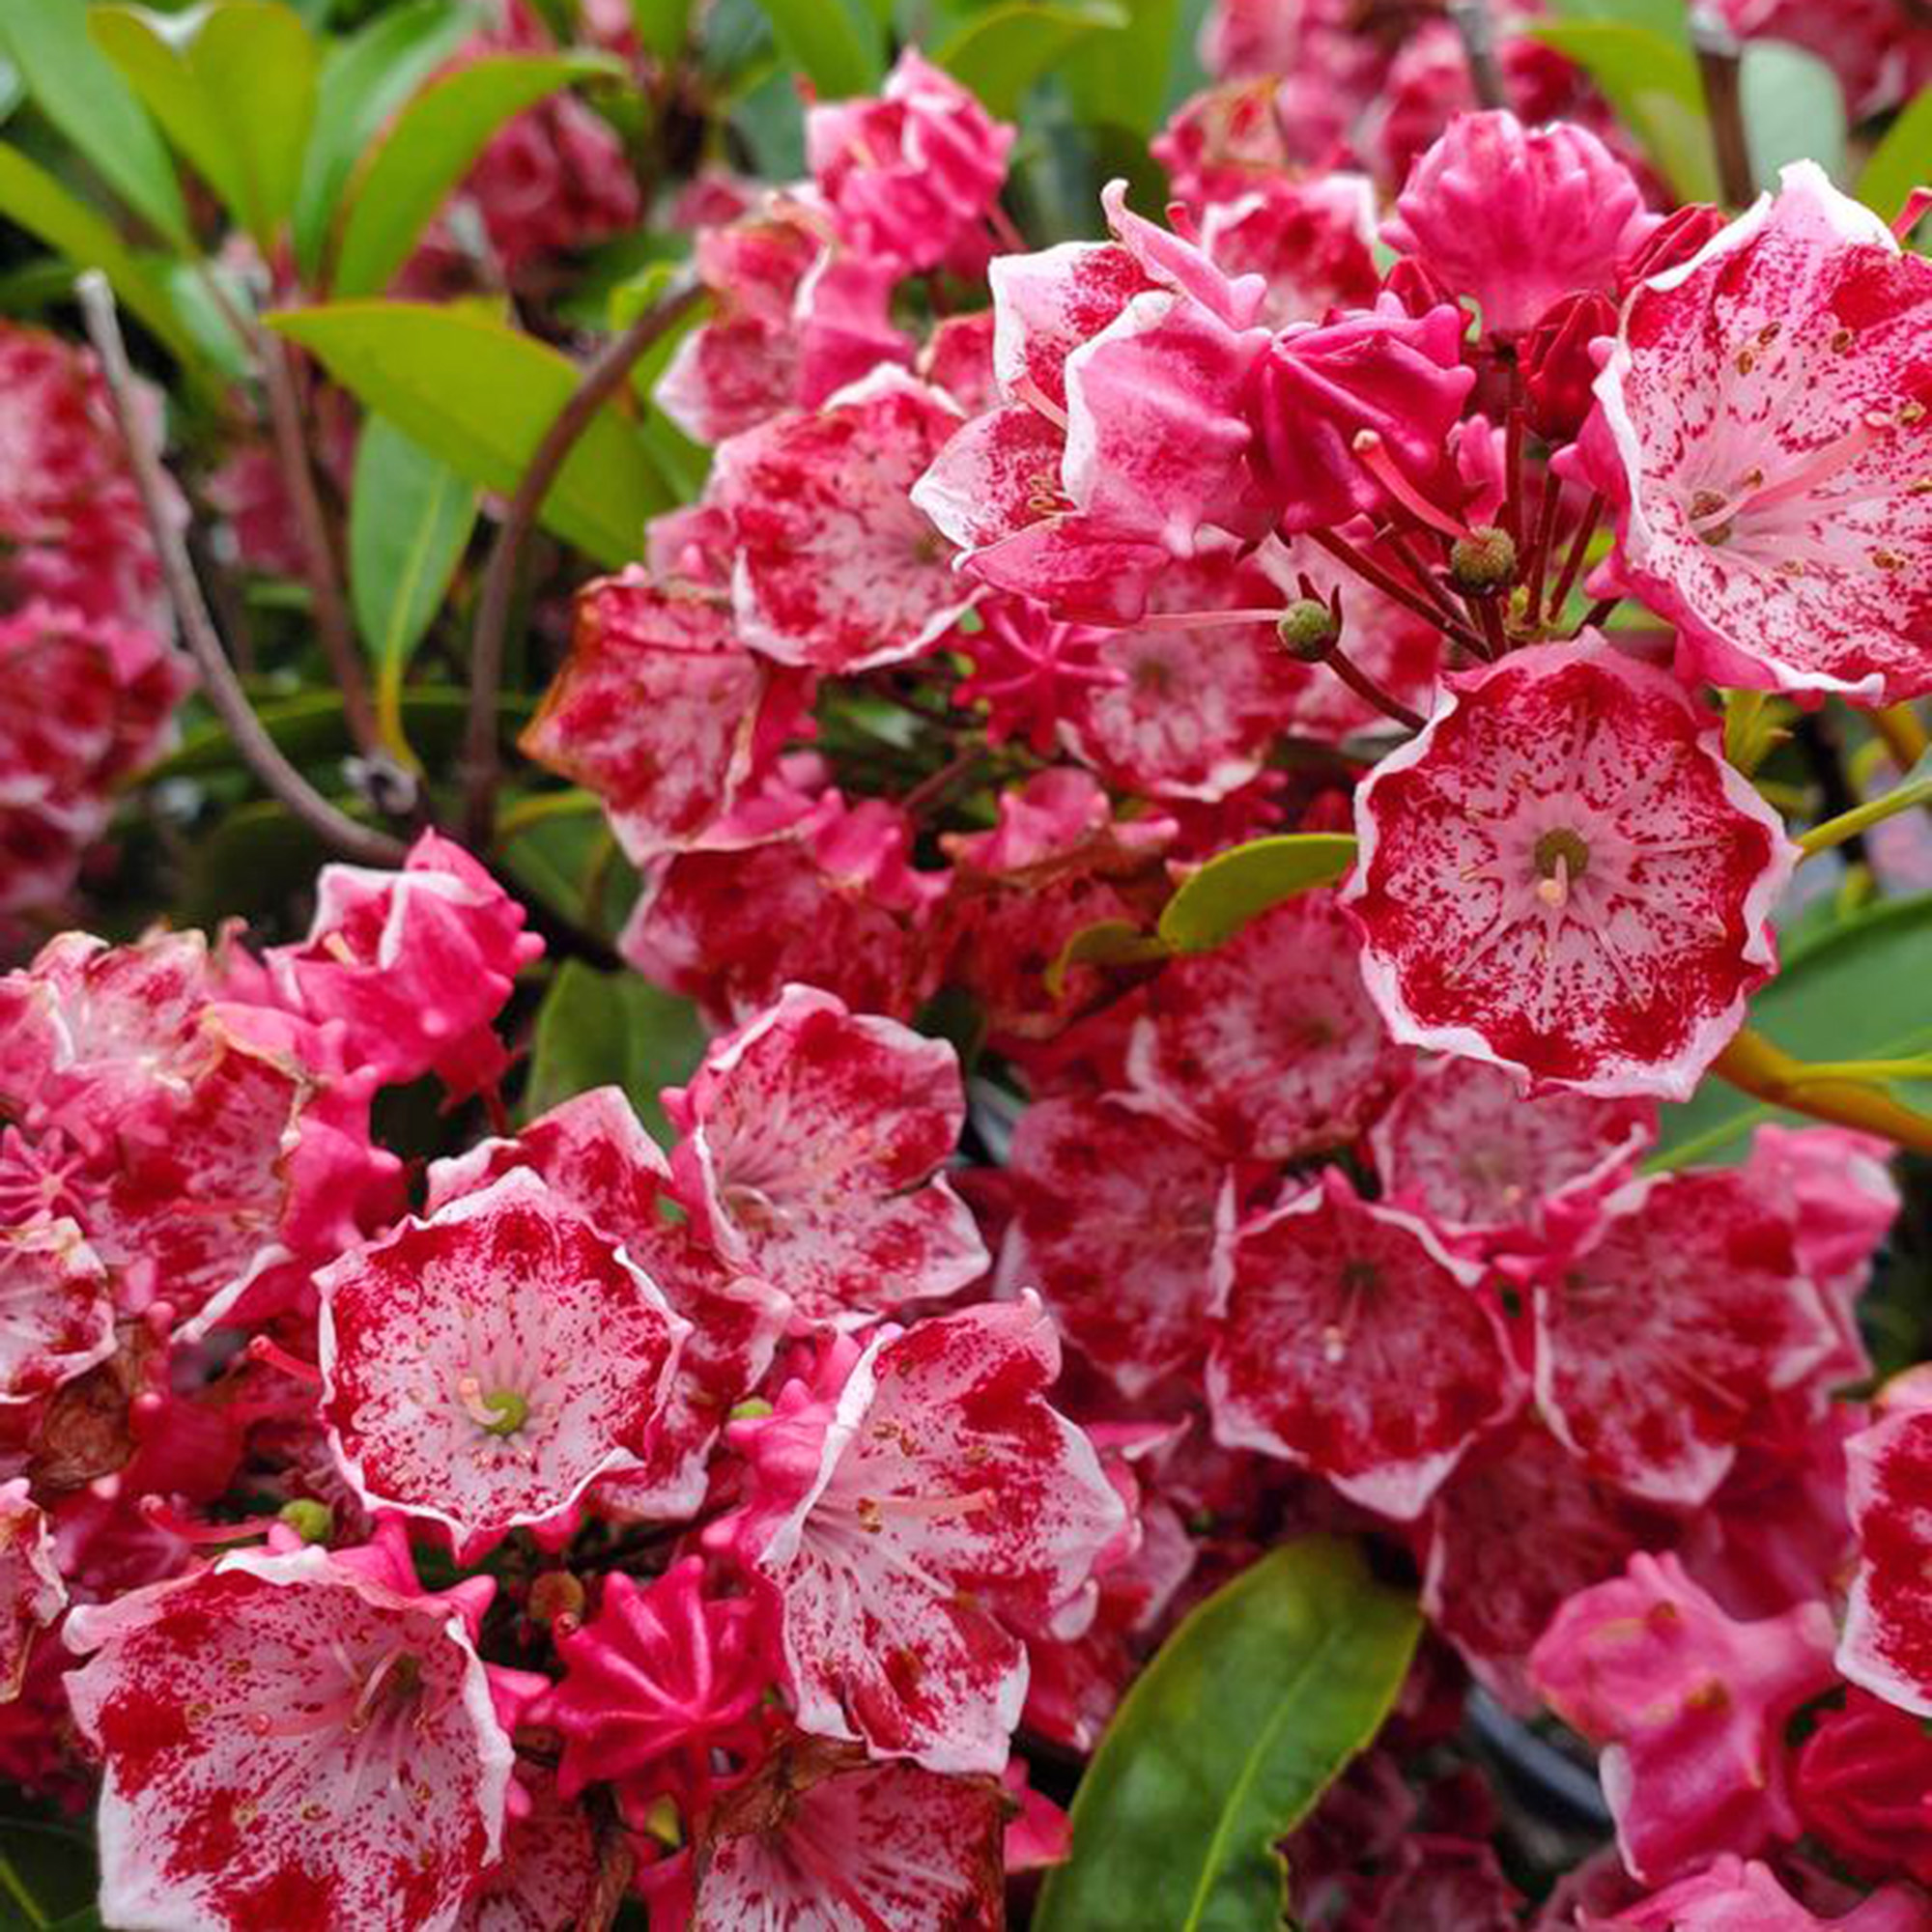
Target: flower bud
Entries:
(1416, 286)
(556, 1594)
(1670, 244)
(1308, 629)
(311, 1520)
(1557, 365)
(1865, 1786)
(1484, 561)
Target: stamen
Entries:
(501, 1412)
(1030, 392)
(1372, 453)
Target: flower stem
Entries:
(1767, 1072)
(1579, 543)
(1371, 572)
(1370, 691)
(1875, 811)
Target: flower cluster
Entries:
(1203, 787)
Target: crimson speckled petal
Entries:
(288, 1743)
(1267, 1048)
(1114, 1223)
(835, 568)
(56, 1308)
(482, 1368)
(814, 1137)
(819, 1843)
(1886, 1644)
(1560, 874)
(951, 1511)
(32, 1590)
(1765, 430)
(1683, 1312)
(1046, 304)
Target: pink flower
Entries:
(1562, 875)
(823, 1838)
(416, 963)
(594, 1156)
(662, 712)
(1863, 1784)
(812, 1143)
(482, 1368)
(1030, 670)
(1732, 1894)
(1765, 430)
(1266, 1048)
(912, 175)
(1680, 1314)
(85, 703)
(916, 1523)
(32, 1592)
(1886, 1646)
(657, 1682)
(1114, 1223)
(1347, 1340)
(1689, 1707)
(290, 1741)
(1464, 1147)
(834, 567)
(56, 1308)
(1516, 216)
(550, 1864)
(1310, 240)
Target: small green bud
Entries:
(311, 1520)
(1308, 629)
(1484, 561)
(754, 1409)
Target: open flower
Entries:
(1346, 1339)
(33, 1593)
(1765, 430)
(482, 1368)
(916, 1515)
(290, 1741)
(1561, 875)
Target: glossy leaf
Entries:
(663, 26)
(1240, 884)
(826, 40)
(1793, 110)
(430, 149)
(76, 86)
(34, 200)
(364, 80)
(1902, 161)
(1668, 17)
(1107, 942)
(234, 86)
(1653, 84)
(479, 395)
(1224, 1744)
(410, 520)
(1855, 991)
(1120, 79)
(48, 1874)
(597, 1028)
(1003, 51)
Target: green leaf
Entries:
(1857, 990)
(74, 85)
(1668, 17)
(1900, 161)
(825, 37)
(1793, 110)
(233, 83)
(480, 395)
(364, 80)
(1653, 84)
(1001, 55)
(34, 199)
(430, 149)
(1119, 80)
(410, 520)
(663, 26)
(611, 1029)
(1240, 884)
(1224, 1744)
(1107, 942)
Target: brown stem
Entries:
(1598, 614)
(1492, 619)
(1545, 534)
(601, 380)
(1717, 63)
(1371, 572)
(940, 783)
(332, 622)
(1370, 691)
(1512, 458)
(220, 684)
(1418, 568)
(1579, 542)
(1471, 18)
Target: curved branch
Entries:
(223, 689)
(602, 379)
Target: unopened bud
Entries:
(311, 1520)
(554, 1594)
(1308, 629)
(1484, 561)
